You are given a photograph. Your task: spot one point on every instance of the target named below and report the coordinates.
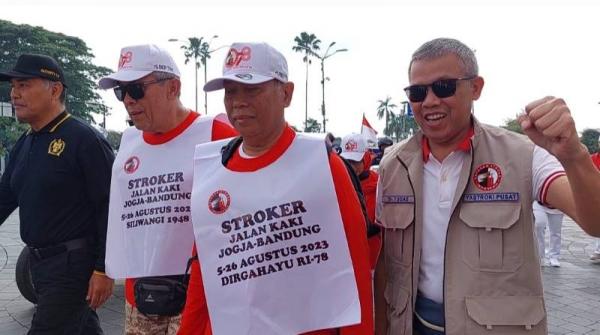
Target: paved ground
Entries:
(16, 312)
(572, 291)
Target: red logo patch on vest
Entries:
(219, 202)
(131, 165)
(487, 176)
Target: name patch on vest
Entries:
(492, 197)
(398, 199)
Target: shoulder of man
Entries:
(393, 150)
(222, 130)
(501, 133)
(87, 134)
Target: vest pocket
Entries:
(397, 220)
(492, 238)
(506, 315)
(397, 300)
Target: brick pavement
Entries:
(572, 291)
(16, 312)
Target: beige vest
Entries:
(492, 279)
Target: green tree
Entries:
(307, 44)
(72, 54)
(512, 125)
(402, 126)
(114, 138)
(10, 131)
(197, 49)
(589, 138)
(312, 126)
(385, 108)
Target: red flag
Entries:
(369, 133)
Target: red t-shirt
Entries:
(596, 160)
(369, 188)
(195, 319)
(220, 131)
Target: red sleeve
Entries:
(195, 319)
(221, 130)
(369, 187)
(356, 234)
(596, 160)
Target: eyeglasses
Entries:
(442, 88)
(135, 90)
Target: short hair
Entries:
(440, 47)
(159, 75)
(63, 93)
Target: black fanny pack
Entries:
(161, 296)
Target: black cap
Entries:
(35, 66)
(385, 141)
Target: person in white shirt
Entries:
(551, 218)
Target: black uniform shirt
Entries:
(59, 177)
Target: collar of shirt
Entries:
(240, 164)
(464, 145)
(161, 138)
(52, 125)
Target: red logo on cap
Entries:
(234, 57)
(125, 58)
(351, 146)
(219, 201)
(131, 164)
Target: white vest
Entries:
(272, 244)
(149, 222)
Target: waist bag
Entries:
(162, 296)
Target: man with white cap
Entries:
(149, 237)
(271, 164)
(356, 152)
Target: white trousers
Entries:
(554, 224)
(597, 251)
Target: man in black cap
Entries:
(58, 175)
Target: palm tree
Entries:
(402, 125)
(395, 126)
(385, 108)
(307, 44)
(197, 49)
(312, 126)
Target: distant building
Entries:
(6, 110)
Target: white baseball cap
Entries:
(354, 147)
(138, 61)
(251, 63)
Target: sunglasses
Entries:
(135, 90)
(442, 88)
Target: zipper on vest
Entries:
(412, 266)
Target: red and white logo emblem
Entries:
(487, 176)
(351, 146)
(125, 58)
(234, 57)
(219, 201)
(131, 165)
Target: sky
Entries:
(526, 49)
